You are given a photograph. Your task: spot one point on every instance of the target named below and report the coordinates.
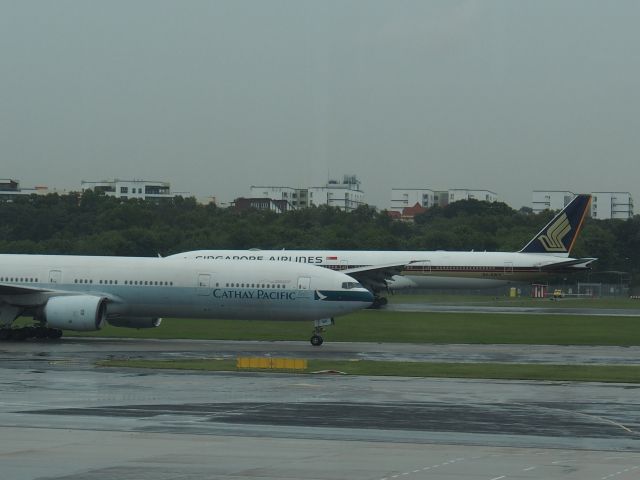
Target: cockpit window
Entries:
(350, 285)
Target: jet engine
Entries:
(135, 322)
(76, 312)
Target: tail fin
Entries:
(558, 236)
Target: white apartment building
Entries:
(425, 197)
(127, 189)
(550, 200)
(402, 198)
(345, 195)
(457, 194)
(296, 197)
(605, 205)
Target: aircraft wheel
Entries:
(54, 333)
(19, 334)
(316, 340)
(29, 332)
(41, 332)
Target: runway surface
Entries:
(63, 418)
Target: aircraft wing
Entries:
(374, 277)
(11, 294)
(10, 289)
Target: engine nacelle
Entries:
(135, 322)
(76, 312)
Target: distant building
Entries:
(9, 185)
(441, 198)
(550, 200)
(296, 197)
(402, 198)
(10, 189)
(277, 206)
(208, 200)
(345, 195)
(605, 205)
(127, 189)
(409, 213)
(457, 194)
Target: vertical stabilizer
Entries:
(558, 236)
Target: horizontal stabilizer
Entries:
(573, 263)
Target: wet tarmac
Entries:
(63, 418)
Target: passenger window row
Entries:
(19, 280)
(126, 282)
(253, 285)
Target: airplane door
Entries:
(204, 284)
(55, 276)
(304, 287)
(344, 264)
(508, 268)
(426, 266)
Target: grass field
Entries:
(384, 326)
(591, 373)
(505, 301)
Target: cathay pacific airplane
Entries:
(82, 293)
(546, 254)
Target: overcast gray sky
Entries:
(214, 96)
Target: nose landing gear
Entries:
(318, 327)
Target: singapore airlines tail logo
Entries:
(552, 241)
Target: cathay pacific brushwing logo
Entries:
(552, 241)
(320, 296)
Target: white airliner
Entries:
(82, 293)
(544, 255)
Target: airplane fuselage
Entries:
(153, 287)
(431, 269)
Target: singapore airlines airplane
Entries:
(82, 293)
(544, 255)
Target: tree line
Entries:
(93, 224)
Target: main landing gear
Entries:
(318, 327)
(24, 333)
